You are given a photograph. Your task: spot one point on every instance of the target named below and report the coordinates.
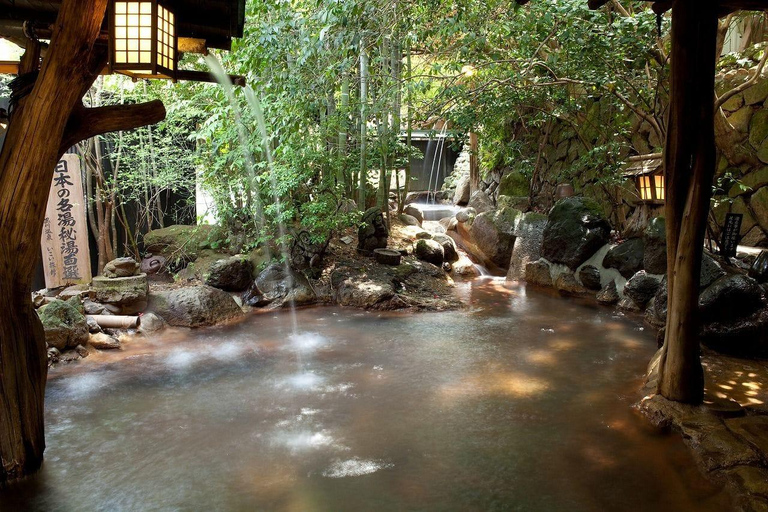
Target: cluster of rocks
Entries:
(571, 249)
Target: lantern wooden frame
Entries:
(143, 39)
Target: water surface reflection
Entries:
(520, 403)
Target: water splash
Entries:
(355, 467)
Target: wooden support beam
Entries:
(85, 123)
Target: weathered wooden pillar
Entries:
(48, 120)
(689, 158)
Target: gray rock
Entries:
(492, 234)
(373, 232)
(655, 256)
(414, 212)
(430, 251)
(450, 254)
(358, 289)
(538, 273)
(566, 283)
(627, 257)
(711, 271)
(101, 341)
(128, 294)
(93, 308)
(730, 298)
(641, 288)
(575, 230)
(529, 233)
(81, 351)
(150, 322)
(230, 274)
(64, 323)
(195, 306)
(121, 267)
(461, 195)
(279, 286)
(466, 215)
(590, 277)
(93, 325)
(481, 202)
(609, 295)
(408, 220)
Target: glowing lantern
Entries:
(143, 39)
(647, 172)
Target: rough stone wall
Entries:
(742, 176)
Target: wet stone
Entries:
(753, 480)
(720, 449)
(753, 429)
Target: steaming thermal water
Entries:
(521, 403)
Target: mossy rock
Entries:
(757, 93)
(183, 242)
(741, 119)
(64, 323)
(758, 128)
(514, 184)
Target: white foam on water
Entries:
(306, 440)
(355, 467)
(307, 341)
(228, 351)
(306, 380)
(84, 385)
(180, 359)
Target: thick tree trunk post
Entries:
(43, 125)
(689, 157)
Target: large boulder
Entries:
(528, 232)
(231, 274)
(121, 267)
(655, 255)
(64, 323)
(280, 286)
(461, 195)
(641, 288)
(181, 242)
(730, 298)
(627, 257)
(127, 295)
(430, 251)
(194, 306)
(480, 201)
(373, 232)
(575, 230)
(450, 254)
(492, 233)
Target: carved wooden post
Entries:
(689, 158)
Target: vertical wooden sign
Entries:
(66, 258)
(730, 239)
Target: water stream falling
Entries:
(434, 171)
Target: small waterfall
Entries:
(226, 84)
(437, 157)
